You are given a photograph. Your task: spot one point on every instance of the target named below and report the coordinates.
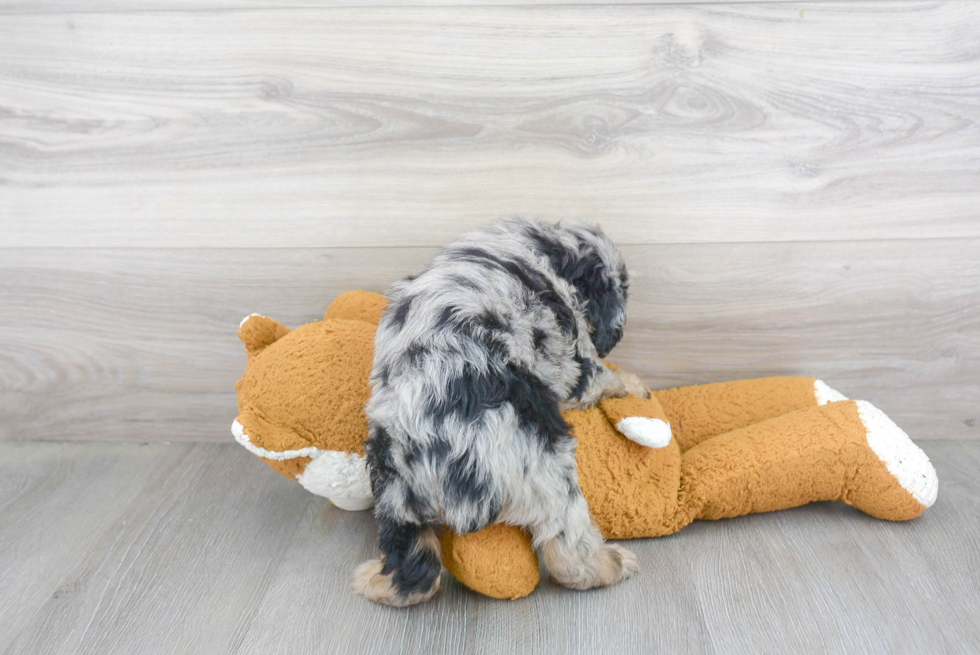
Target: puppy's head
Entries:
(584, 256)
(599, 275)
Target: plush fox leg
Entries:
(848, 451)
(699, 412)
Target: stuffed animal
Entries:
(647, 467)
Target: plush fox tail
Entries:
(848, 451)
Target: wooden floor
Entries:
(184, 548)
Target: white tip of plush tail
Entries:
(903, 459)
(649, 432)
(825, 394)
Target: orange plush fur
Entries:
(731, 448)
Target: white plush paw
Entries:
(649, 432)
(903, 459)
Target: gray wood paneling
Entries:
(139, 344)
(203, 549)
(181, 569)
(960, 508)
(403, 126)
(68, 6)
(56, 505)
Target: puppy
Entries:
(475, 359)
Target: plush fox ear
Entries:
(358, 306)
(257, 332)
(641, 420)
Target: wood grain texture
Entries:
(961, 507)
(51, 6)
(192, 552)
(403, 126)
(208, 551)
(140, 344)
(56, 504)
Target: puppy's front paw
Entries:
(617, 565)
(373, 583)
(633, 385)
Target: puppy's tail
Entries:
(410, 571)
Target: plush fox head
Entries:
(301, 399)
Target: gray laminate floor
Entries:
(200, 548)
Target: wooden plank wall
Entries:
(796, 187)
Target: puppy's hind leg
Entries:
(577, 556)
(573, 550)
(410, 570)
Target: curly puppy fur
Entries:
(475, 359)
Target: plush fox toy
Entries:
(647, 467)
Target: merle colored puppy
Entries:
(475, 359)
